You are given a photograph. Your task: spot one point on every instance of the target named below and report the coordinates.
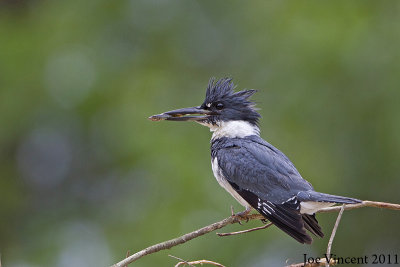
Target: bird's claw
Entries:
(241, 215)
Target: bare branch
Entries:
(192, 263)
(182, 261)
(184, 238)
(127, 255)
(235, 219)
(201, 262)
(365, 203)
(328, 250)
(322, 262)
(245, 231)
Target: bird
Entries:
(257, 174)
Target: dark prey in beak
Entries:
(183, 114)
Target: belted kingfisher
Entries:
(253, 171)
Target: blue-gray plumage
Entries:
(253, 171)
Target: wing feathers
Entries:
(282, 215)
(288, 220)
(266, 179)
(311, 224)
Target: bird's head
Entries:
(222, 106)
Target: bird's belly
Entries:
(225, 184)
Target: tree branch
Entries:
(235, 219)
(328, 250)
(201, 262)
(183, 239)
(365, 203)
(182, 261)
(244, 231)
(322, 262)
(193, 263)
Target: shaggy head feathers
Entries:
(236, 105)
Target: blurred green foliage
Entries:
(84, 176)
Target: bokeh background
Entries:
(85, 177)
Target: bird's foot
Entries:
(241, 215)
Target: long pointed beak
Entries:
(183, 114)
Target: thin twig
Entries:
(322, 262)
(235, 219)
(127, 255)
(184, 238)
(192, 263)
(328, 250)
(182, 261)
(365, 203)
(201, 262)
(245, 231)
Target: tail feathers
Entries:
(288, 220)
(285, 216)
(322, 197)
(311, 224)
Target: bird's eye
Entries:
(219, 106)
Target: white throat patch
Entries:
(232, 129)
